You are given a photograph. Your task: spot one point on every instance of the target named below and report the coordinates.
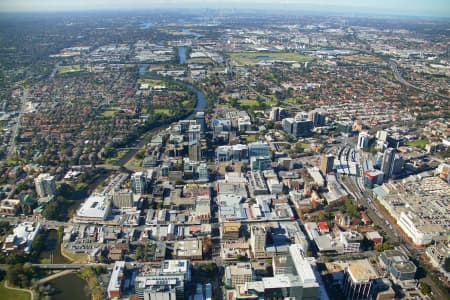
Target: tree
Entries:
(425, 288)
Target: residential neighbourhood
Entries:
(187, 157)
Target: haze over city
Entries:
(436, 8)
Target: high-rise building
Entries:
(138, 183)
(387, 163)
(382, 135)
(45, 185)
(258, 236)
(327, 164)
(277, 113)
(194, 145)
(392, 164)
(117, 280)
(195, 152)
(239, 273)
(169, 282)
(122, 198)
(258, 149)
(200, 119)
(359, 278)
(298, 127)
(318, 117)
(363, 140)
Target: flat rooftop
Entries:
(96, 206)
(361, 271)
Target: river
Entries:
(201, 98)
(53, 247)
(70, 287)
(199, 106)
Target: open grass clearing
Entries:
(69, 69)
(249, 103)
(418, 143)
(250, 58)
(109, 113)
(8, 294)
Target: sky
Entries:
(438, 8)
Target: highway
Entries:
(400, 79)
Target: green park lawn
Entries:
(109, 113)
(249, 103)
(418, 143)
(250, 58)
(69, 69)
(162, 111)
(7, 294)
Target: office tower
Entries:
(138, 183)
(45, 185)
(123, 198)
(258, 237)
(200, 120)
(258, 149)
(298, 126)
(387, 163)
(382, 135)
(194, 145)
(363, 140)
(326, 164)
(318, 117)
(359, 280)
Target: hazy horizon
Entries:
(431, 8)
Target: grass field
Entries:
(162, 111)
(251, 138)
(7, 294)
(251, 58)
(78, 257)
(151, 82)
(69, 69)
(418, 143)
(109, 113)
(249, 103)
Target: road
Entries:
(12, 143)
(400, 79)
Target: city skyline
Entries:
(434, 8)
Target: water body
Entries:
(192, 33)
(145, 25)
(182, 54)
(201, 98)
(201, 101)
(52, 246)
(70, 287)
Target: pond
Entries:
(70, 287)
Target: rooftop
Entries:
(361, 271)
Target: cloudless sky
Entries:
(439, 8)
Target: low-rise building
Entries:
(398, 265)
(22, 237)
(96, 208)
(188, 249)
